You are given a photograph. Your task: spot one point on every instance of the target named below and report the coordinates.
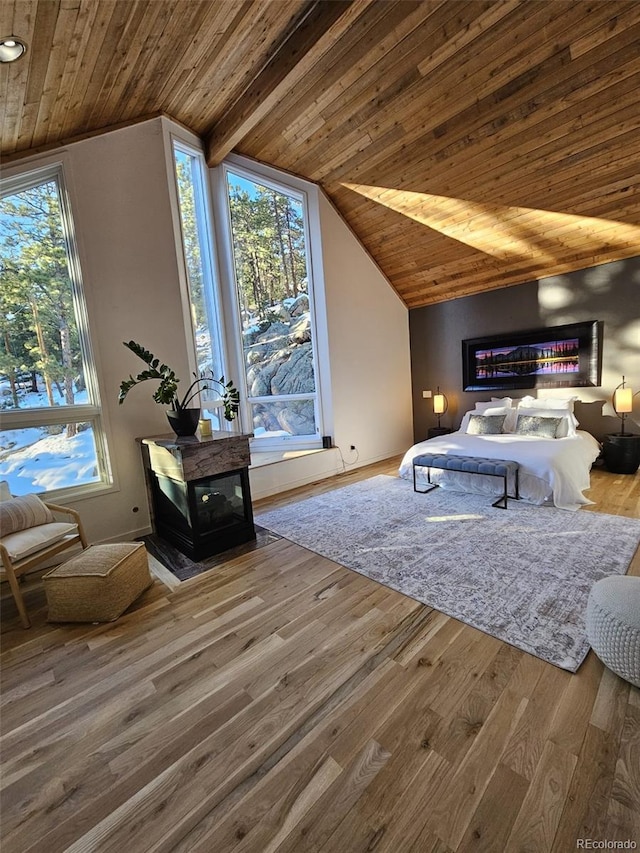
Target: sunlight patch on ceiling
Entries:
(501, 231)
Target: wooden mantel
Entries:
(193, 457)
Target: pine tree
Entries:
(38, 320)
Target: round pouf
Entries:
(613, 625)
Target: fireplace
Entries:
(199, 491)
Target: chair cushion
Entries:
(23, 543)
(22, 513)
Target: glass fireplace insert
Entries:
(205, 516)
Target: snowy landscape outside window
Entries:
(275, 308)
(51, 436)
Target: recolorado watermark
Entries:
(596, 844)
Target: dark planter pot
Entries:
(185, 421)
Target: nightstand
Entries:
(434, 432)
(621, 453)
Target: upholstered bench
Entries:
(99, 584)
(503, 468)
(613, 624)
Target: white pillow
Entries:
(482, 407)
(496, 405)
(567, 424)
(488, 411)
(464, 423)
(565, 403)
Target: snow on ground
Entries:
(52, 462)
(31, 460)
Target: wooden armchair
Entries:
(30, 535)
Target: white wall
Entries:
(369, 365)
(128, 256)
(121, 207)
(368, 328)
(295, 468)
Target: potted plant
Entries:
(182, 417)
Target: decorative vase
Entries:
(184, 421)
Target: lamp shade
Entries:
(623, 400)
(439, 405)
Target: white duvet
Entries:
(554, 469)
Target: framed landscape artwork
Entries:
(556, 357)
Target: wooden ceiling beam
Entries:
(251, 31)
(378, 42)
(276, 78)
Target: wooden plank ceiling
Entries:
(470, 145)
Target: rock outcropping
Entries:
(279, 360)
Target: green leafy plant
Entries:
(167, 391)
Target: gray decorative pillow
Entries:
(533, 425)
(485, 424)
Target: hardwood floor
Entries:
(283, 703)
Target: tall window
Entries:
(274, 308)
(51, 435)
(198, 260)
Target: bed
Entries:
(555, 470)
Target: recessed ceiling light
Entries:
(11, 48)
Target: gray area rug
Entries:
(522, 575)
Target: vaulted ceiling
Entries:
(469, 144)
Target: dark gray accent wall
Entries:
(610, 293)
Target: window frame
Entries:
(191, 145)
(91, 412)
(307, 195)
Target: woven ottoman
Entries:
(99, 584)
(613, 624)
